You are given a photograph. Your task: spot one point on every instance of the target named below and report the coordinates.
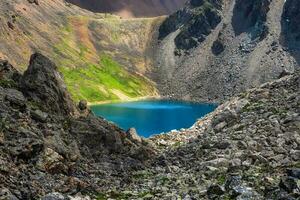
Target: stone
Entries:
(289, 184)
(1, 138)
(82, 105)
(43, 84)
(294, 172)
(217, 47)
(39, 115)
(54, 196)
(36, 2)
(15, 97)
(222, 145)
(10, 25)
(220, 126)
(215, 190)
(233, 181)
(5, 194)
(219, 162)
(52, 162)
(133, 136)
(27, 148)
(246, 193)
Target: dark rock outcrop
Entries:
(290, 28)
(290, 22)
(250, 16)
(195, 22)
(42, 83)
(46, 144)
(217, 47)
(36, 2)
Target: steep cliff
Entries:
(237, 45)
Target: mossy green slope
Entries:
(92, 75)
(99, 82)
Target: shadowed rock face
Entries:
(131, 8)
(248, 14)
(196, 21)
(44, 84)
(291, 28)
(290, 20)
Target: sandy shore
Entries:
(123, 100)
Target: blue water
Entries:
(153, 116)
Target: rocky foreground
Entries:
(48, 144)
(249, 148)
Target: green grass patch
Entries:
(97, 82)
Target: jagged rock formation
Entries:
(131, 8)
(47, 144)
(195, 22)
(42, 84)
(238, 46)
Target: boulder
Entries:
(82, 105)
(43, 84)
(15, 97)
(214, 191)
(133, 136)
(217, 47)
(54, 196)
(5, 194)
(289, 184)
(294, 172)
(52, 162)
(39, 115)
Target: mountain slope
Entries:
(47, 143)
(131, 8)
(101, 56)
(231, 46)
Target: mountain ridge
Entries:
(131, 8)
(244, 50)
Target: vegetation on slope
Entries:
(100, 45)
(104, 81)
(91, 76)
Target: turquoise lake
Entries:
(153, 116)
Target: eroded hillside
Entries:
(213, 49)
(101, 56)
